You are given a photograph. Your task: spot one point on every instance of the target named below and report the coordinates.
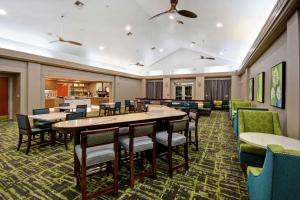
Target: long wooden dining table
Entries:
(155, 113)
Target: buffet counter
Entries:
(89, 101)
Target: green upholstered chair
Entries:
(256, 121)
(217, 104)
(238, 104)
(235, 122)
(279, 177)
(230, 106)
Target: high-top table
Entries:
(262, 140)
(156, 114)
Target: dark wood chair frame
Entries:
(141, 175)
(30, 136)
(170, 150)
(81, 171)
(196, 142)
(131, 107)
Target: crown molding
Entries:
(272, 29)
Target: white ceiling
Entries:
(102, 23)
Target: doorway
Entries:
(3, 96)
(184, 92)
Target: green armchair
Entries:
(256, 121)
(279, 177)
(238, 104)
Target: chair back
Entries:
(99, 137)
(23, 123)
(194, 115)
(74, 116)
(207, 104)
(181, 125)
(63, 104)
(142, 129)
(127, 103)
(101, 106)
(40, 111)
(259, 121)
(193, 106)
(147, 102)
(118, 105)
(81, 109)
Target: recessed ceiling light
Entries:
(161, 50)
(219, 25)
(141, 62)
(127, 27)
(192, 45)
(171, 16)
(2, 12)
(221, 53)
(101, 48)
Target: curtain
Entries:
(154, 90)
(217, 90)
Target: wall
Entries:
(29, 82)
(274, 55)
(127, 88)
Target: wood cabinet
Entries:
(50, 85)
(95, 100)
(53, 102)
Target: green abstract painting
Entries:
(251, 89)
(278, 85)
(260, 87)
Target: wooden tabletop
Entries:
(262, 140)
(50, 117)
(121, 119)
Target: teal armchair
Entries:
(279, 177)
(256, 121)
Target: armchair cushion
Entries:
(177, 138)
(248, 148)
(97, 154)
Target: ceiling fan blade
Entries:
(54, 41)
(75, 43)
(210, 58)
(159, 14)
(187, 13)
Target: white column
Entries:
(199, 93)
(235, 87)
(166, 88)
(34, 87)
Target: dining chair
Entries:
(82, 109)
(141, 138)
(129, 106)
(41, 123)
(97, 147)
(64, 105)
(175, 136)
(193, 127)
(71, 116)
(26, 129)
(115, 109)
(102, 107)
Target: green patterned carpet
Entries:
(47, 172)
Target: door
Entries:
(3, 96)
(184, 92)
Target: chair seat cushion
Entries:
(123, 131)
(42, 123)
(97, 154)
(37, 130)
(139, 143)
(177, 138)
(192, 126)
(192, 115)
(248, 148)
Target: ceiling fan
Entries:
(207, 58)
(60, 39)
(173, 9)
(139, 64)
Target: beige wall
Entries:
(29, 83)
(127, 88)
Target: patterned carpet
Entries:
(47, 172)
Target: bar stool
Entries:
(176, 135)
(97, 146)
(140, 139)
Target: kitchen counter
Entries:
(52, 102)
